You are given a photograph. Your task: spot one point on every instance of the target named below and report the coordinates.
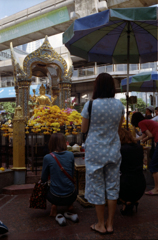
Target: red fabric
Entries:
(150, 125)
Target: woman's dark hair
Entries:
(104, 86)
(156, 108)
(57, 142)
(136, 118)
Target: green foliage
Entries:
(123, 100)
(9, 107)
(141, 106)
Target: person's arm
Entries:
(85, 125)
(120, 124)
(122, 117)
(73, 167)
(148, 135)
(141, 137)
(85, 119)
(138, 138)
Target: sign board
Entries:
(9, 92)
(4, 55)
(41, 22)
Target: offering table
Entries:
(80, 178)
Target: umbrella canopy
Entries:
(126, 35)
(142, 82)
(102, 37)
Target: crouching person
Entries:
(59, 165)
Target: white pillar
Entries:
(95, 68)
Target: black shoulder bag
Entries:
(89, 111)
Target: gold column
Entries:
(23, 96)
(18, 140)
(60, 96)
(66, 93)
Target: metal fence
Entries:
(6, 151)
(36, 147)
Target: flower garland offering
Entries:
(130, 126)
(51, 119)
(6, 129)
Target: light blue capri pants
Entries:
(102, 181)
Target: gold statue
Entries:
(43, 100)
(33, 98)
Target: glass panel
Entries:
(133, 67)
(82, 72)
(4, 84)
(145, 65)
(101, 69)
(121, 67)
(152, 65)
(109, 68)
(75, 73)
(90, 71)
(86, 72)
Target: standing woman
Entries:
(149, 130)
(102, 150)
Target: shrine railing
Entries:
(36, 147)
(6, 150)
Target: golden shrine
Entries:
(43, 62)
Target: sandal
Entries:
(73, 217)
(94, 229)
(108, 232)
(60, 219)
(151, 193)
(3, 228)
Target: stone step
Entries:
(32, 179)
(18, 189)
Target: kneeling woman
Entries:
(132, 180)
(62, 190)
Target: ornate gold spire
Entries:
(17, 65)
(43, 62)
(43, 55)
(42, 89)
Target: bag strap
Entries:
(89, 111)
(61, 168)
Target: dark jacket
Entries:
(132, 180)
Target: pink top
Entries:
(150, 125)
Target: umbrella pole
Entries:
(127, 94)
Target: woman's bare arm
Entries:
(120, 124)
(85, 125)
(148, 135)
(140, 137)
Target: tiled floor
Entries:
(30, 224)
